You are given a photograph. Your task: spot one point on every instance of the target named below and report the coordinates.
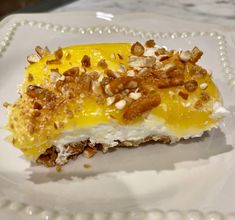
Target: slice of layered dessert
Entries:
(99, 96)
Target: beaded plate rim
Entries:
(109, 29)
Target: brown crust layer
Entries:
(50, 156)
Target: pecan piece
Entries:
(185, 56)
(198, 72)
(34, 58)
(58, 54)
(191, 85)
(137, 49)
(111, 74)
(86, 61)
(183, 95)
(34, 91)
(204, 96)
(141, 105)
(102, 63)
(150, 43)
(195, 54)
(42, 52)
(124, 82)
(170, 82)
(37, 105)
(53, 62)
(135, 61)
(30, 77)
(74, 71)
(161, 51)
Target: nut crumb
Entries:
(30, 77)
(185, 56)
(203, 86)
(58, 168)
(191, 85)
(120, 56)
(137, 49)
(120, 104)
(102, 63)
(34, 58)
(87, 166)
(195, 54)
(6, 104)
(150, 43)
(183, 95)
(59, 54)
(86, 61)
(142, 105)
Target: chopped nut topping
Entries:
(170, 82)
(110, 100)
(74, 71)
(162, 57)
(198, 105)
(102, 63)
(195, 54)
(185, 56)
(124, 82)
(135, 61)
(198, 72)
(120, 104)
(137, 49)
(130, 73)
(191, 85)
(135, 95)
(122, 68)
(89, 152)
(111, 73)
(53, 62)
(183, 95)
(86, 165)
(30, 77)
(59, 54)
(107, 90)
(42, 52)
(86, 61)
(36, 113)
(34, 58)
(120, 56)
(37, 105)
(150, 43)
(142, 105)
(169, 67)
(204, 96)
(54, 76)
(161, 51)
(34, 91)
(203, 86)
(6, 104)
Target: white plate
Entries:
(144, 183)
